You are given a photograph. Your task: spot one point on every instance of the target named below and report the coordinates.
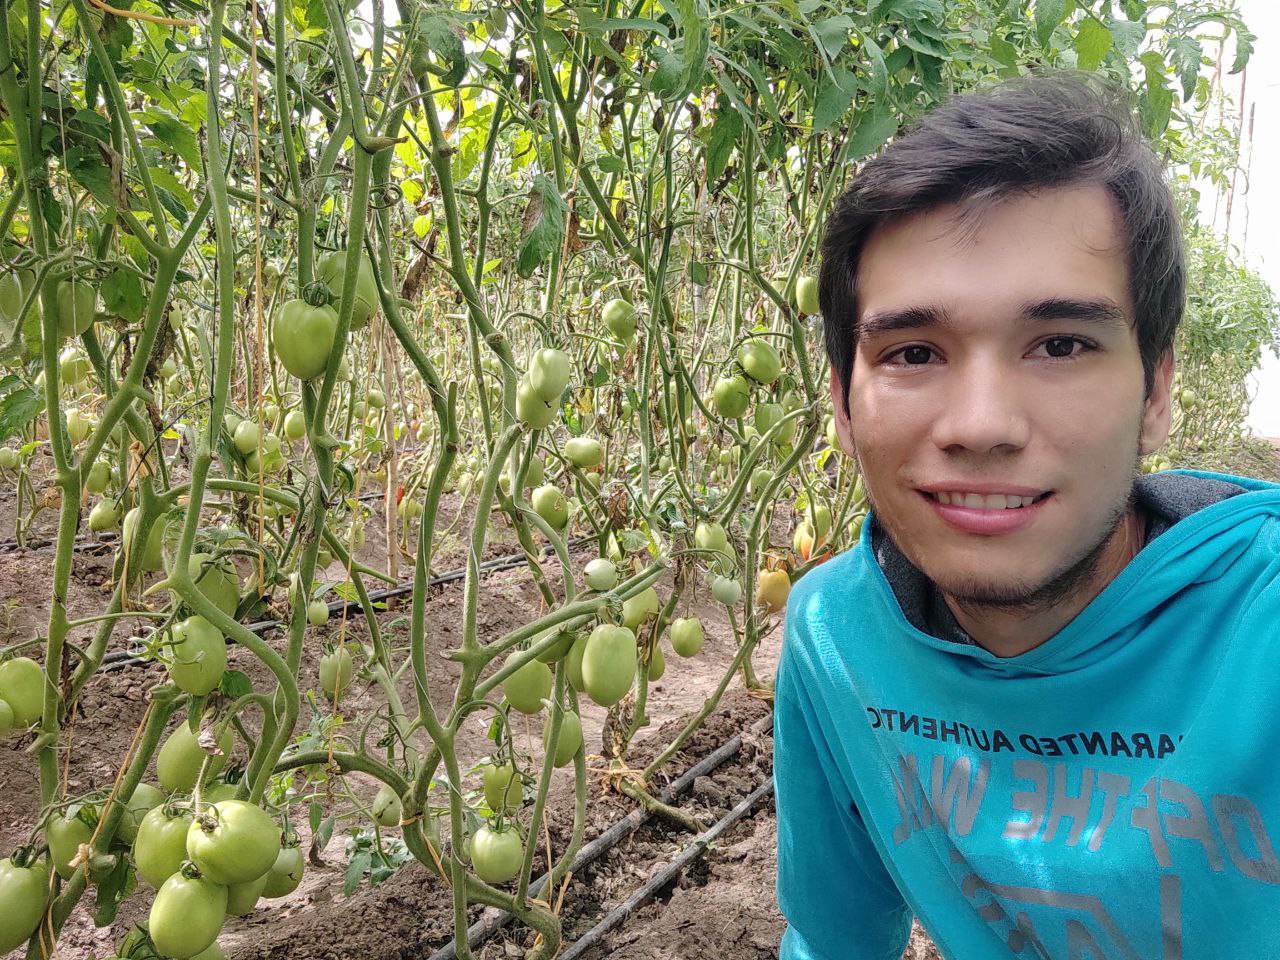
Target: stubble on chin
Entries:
(978, 597)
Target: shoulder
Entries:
(827, 602)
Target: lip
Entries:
(988, 522)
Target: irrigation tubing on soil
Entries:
(655, 883)
(120, 659)
(96, 541)
(492, 922)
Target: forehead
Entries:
(1064, 241)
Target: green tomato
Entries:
(608, 664)
(9, 458)
(807, 294)
(295, 425)
(73, 366)
(534, 412)
(178, 762)
(285, 874)
(560, 649)
(79, 424)
(22, 687)
(573, 662)
(549, 503)
(568, 742)
(549, 374)
(6, 718)
(169, 368)
(620, 317)
(727, 590)
(687, 636)
(186, 916)
(528, 686)
(241, 897)
(712, 536)
(731, 396)
(15, 287)
(98, 476)
(497, 855)
(76, 301)
(245, 438)
(317, 613)
(199, 656)
(657, 664)
(303, 337)
(331, 268)
(502, 787)
(387, 807)
(161, 845)
(217, 580)
(601, 574)
(234, 841)
(760, 360)
(637, 608)
(24, 891)
(584, 452)
(376, 399)
(146, 798)
(151, 557)
(64, 836)
(336, 670)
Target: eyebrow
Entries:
(1101, 310)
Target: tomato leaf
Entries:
(19, 405)
(356, 870)
(544, 225)
(1092, 43)
(235, 684)
(112, 889)
(122, 294)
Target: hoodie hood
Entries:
(1200, 524)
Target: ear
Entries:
(1158, 412)
(844, 429)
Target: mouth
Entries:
(988, 514)
(989, 502)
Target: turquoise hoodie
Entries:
(1112, 793)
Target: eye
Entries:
(1059, 348)
(912, 356)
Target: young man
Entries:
(1036, 705)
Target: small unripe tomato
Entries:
(186, 916)
(549, 503)
(549, 373)
(317, 613)
(601, 574)
(569, 740)
(584, 452)
(336, 670)
(687, 636)
(496, 854)
(528, 686)
(295, 425)
(609, 663)
(199, 656)
(502, 788)
(636, 609)
(807, 294)
(386, 807)
(727, 590)
(620, 317)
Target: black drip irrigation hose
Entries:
(690, 853)
(97, 541)
(493, 921)
(120, 659)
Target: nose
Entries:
(984, 408)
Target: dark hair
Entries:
(1053, 129)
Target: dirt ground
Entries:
(721, 906)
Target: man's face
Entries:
(989, 400)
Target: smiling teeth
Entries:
(976, 501)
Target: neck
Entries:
(1008, 632)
